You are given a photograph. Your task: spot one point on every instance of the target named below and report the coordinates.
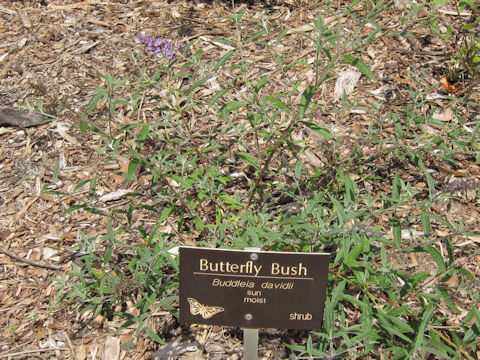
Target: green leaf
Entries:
(319, 130)
(132, 167)
(231, 202)
(232, 106)
(350, 190)
(196, 84)
(438, 2)
(184, 182)
(142, 136)
(165, 212)
(306, 99)
(217, 96)
(92, 187)
(223, 60)
(223, 41)
(437, 257)
(351, 259)
(427, 228)
(397, 231)
(337, 293)
(154, 336)
(427, 315)
(56, 169)
(360, 65)
(277, 102)
(260, 84)
(108, 255)
(249, 159)
(92, 104)
(255, 36)
(397, 124)
(428, 177)
(73, 208)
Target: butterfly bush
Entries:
(161, 47)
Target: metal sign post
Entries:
(250, 336)
(250, 344)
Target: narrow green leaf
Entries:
(196, 84)
(231, 202)
(154, 336)
(232, 106)
(108, 254)
(360, 65)
(223, 41)
(351, 259)
(92, 187)
(338, 208)
(437, 257)
(427, 228)
(249, 159)
(277, 102)
(438, 2)
(397, 124)
(223, 60)
(255, 36)
(427, 315)
(397, 231)
(396, 187)
(142, 136)
(56, 170)
(260, 84)
(167, 210)
(319, 130)
(92, 104)
(329, 322)
(129, 214)
(217, 96)
(337, 293)
(383, 321)
(428, 177)
(132, 167)
(306, 99)
(350, 190)
(73, 208)
(184, 182)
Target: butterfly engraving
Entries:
(206, 311)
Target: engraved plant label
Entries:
(252, 289)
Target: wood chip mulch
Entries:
(53, 52)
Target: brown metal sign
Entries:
(252, 289)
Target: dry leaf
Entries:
(449, 87)
(115, 195)
(443, 114)
(123, 168)
(453, 282)
(345, 83)
(112, 348)
(80, 352)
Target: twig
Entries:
(454, 13)
(427, 53)
(24, 210)
(70, 346)
(30, 352)
(30, 262)
(266, 163)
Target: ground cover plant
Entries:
(214, 153)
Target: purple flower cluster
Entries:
(462, 185)
(160, 47)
